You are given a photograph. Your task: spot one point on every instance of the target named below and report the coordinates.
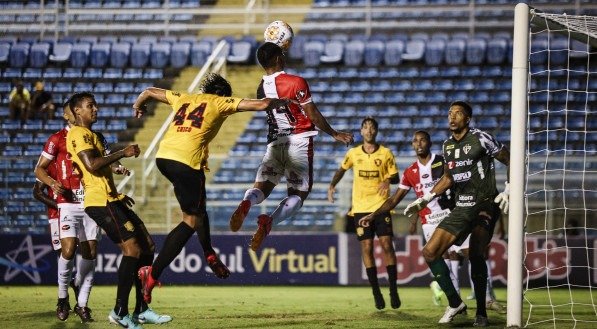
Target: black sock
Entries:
(392, 277)
(372, 276)
(127, 272)
(479, 277)
(204, 235)
(441, 273)
(140, 305)
(174, 243)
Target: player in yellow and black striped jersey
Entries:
(182, 159)
(374, 168)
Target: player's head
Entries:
(270, 55)
(215, 84)
(84, 107)
(421, 143)
(38, 85)
(369, 129)
(459, 116)
(67, 113)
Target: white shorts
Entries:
(75, 223)
(292, 159)
(428, 230)
(55, 233)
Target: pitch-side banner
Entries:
(309, 259)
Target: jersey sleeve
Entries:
(102, 139)
(405, 183)
(173, 98)
(227, 105)
(489, 143)
(302, 92)
(50, 148)
(391, 165)
(347, 162)
(81, 140)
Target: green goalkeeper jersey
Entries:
(470, 162)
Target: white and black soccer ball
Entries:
(280, 33)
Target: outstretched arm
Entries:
(260, 104)
(93, 161)
(320, 122)
(154, 93)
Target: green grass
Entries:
(259, 307)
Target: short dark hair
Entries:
(426, 134)
(76, 99)
(215, 84)
(370, 119)
(267, 54)
(466, 106)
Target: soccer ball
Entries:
(280, 33)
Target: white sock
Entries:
(254, 195)
(84, 280)
(454, 269)
(287, 208)
(65, 271)
(489, 295)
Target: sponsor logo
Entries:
(368, 174)
(56, 242)
(466, 148)
(269, 171)
(300, 94)
(294, 262)
(449, 153)
(449, 147)
(437, 164)
(65, 227)
(129, 226)
(461, 163)
(425, 176)
(377, 162)
(462, 176)
(457, 153)
(27, 259)
(360, 231)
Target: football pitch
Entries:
(261, 307)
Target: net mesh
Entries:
(561, 186)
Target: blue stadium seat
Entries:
(240, 52)
(393, 53)
(110, 39)
(99, 55)
(296, 51)
(374, 52)
(160, 53)
(455, 50)
(414, 50)
(312, 53)
(31, 72)
(83, 86)
(200, 51)
(4, 52)
(539, 51)
(79, 56)
(140, 54)
(72, 72)
(61, 52)
(496, 50)
(151, 39)
(52, 73)
(435, 51)
(354, 52)
(558, 51)
(90, 39)
(38, 55)
(475, 51)
(119, 56)
(19, 55)
(333, 51)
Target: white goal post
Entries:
(552, 168)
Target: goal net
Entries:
(554, 147)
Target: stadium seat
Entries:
(539, 50)
(38, 55)
(313, 51)
(200, 51)
(354, 52)
(393, 53)
(179, 57)
(119, 56)
(140, 54)
(19, 55)
(333, 51)
(131, 39)
(151, 39)
(79, 56)
(99, 55)
(90, 39)
(160, 54)
(111, 39)
(558, 51)
(435, 51)
(240, 52)
(296, 51)
(455, 51)
(475, 51)
(414, 50)
(4, 52)
(61, 52)
(496, 50)
(374, 52)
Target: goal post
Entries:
(553, 181)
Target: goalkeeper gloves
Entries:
(502, 199)
(418, 204)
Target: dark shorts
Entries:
(461, 221)
(189, 185)
(118, 221)
(380, 226)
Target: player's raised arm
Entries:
(150, 93)
(260, 104)
(320, 122)
(93, 161)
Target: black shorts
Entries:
(118, 221)
(461, 221)
(381, 225)
(189, 185)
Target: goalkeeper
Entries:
(470, 173)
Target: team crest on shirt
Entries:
(387, 219)
(129, 226)
(377, 162)
(300, 94)
(87, 138)
(360, 231)
(466, 148)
